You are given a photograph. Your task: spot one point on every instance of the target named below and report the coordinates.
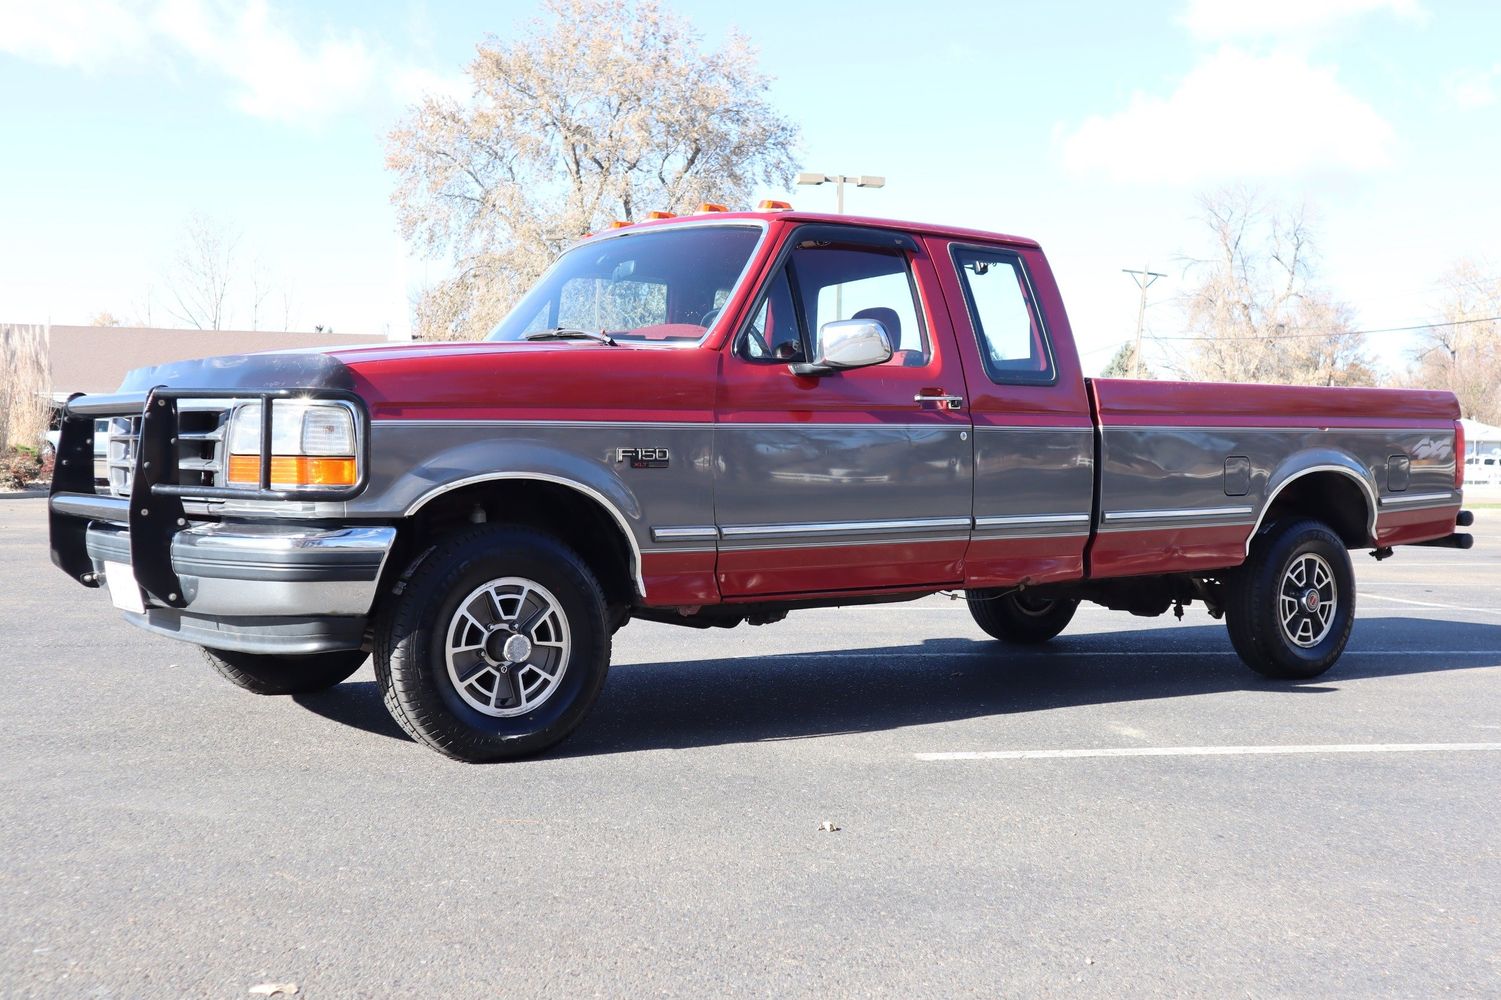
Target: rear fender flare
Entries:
(1317, 460)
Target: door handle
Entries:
(944, 401)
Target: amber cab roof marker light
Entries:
(619, 224)
(774, 206)
(661, 215)
(712, 206)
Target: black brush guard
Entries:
(154, 510)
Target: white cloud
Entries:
(1235, 115)
(274, 74)
(271, 71)
(1217, 20)
(74, 33)
(1471, 89)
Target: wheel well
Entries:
(570, 515)
(1331, 497)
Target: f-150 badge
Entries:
(643, 458)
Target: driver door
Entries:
(855, 481)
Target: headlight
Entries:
(312, 444)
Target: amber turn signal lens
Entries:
(292, 470)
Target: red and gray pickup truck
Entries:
(714, 420)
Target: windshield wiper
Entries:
(568, 333)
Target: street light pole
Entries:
(839, 181)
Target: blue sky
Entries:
(1089, 126)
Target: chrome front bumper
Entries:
(265, 569)
(265, 588)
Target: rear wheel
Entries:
(1020, 617)
(267, 673)
(1291, 606)
(496, 646)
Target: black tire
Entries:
(1256, 602)
(425, 695)
(268, 673)
(1019, 617)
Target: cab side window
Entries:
(1014, 346)
(821, 284)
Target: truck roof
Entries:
(792, 215)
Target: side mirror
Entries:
(844, 344)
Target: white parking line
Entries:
(1207, 751)
(1431, 604)
(1060, 651)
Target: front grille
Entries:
(200, 446)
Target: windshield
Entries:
(663, 285)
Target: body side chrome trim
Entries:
(840, 527)
(1186, 512)
(684, 533)
(1365, 487)
(1428, 499)
(589, 491)
(1025, 520)
(773, 545)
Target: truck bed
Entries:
(1186, 472)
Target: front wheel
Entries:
(1290, 607)
(496, 647)
(1020, 617)
(268, 673)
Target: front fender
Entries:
(401, 482)
(411, 466)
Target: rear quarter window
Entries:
(1014, 346)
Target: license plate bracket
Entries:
(124, 592)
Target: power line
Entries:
(1346, 333)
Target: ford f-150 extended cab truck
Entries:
(715, 420)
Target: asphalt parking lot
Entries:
(167, 835)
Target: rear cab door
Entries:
(1034, 437)
(848, 482)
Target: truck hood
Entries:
(278, 370)
(312, 367)
(546, 380)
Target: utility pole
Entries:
(1144, 279)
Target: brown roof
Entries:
(96, 358)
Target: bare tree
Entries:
(260, 289)
(143, 307)
(1463, 355)
(199, 281)
(606, 109)
(105, 318)
(1254, 314)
